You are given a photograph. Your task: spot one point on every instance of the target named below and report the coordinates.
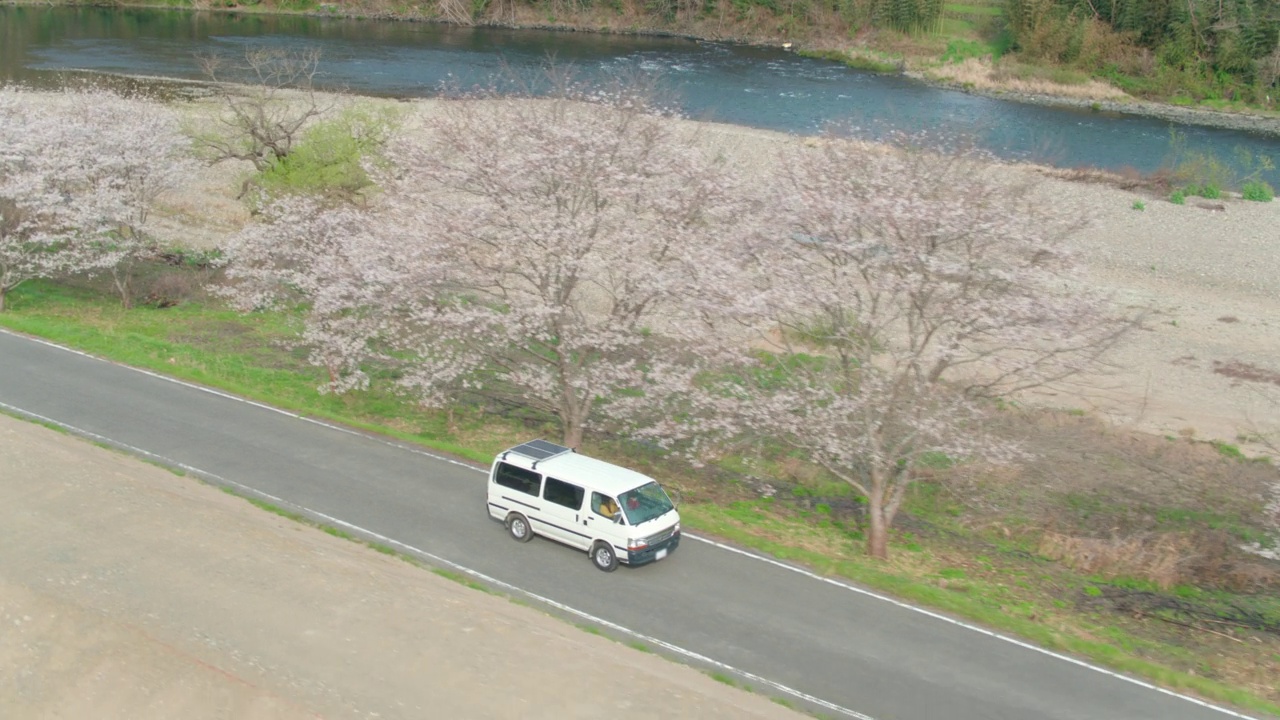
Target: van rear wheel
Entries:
(519, 528)
(603, 557)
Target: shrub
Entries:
(1257, 191)
(330, 155)
(1178, 197)
(1139, 205)
(172, 288)
(961, 50)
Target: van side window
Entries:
(604, 506)
(517, 478)
(563, 493)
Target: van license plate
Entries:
(660, 554)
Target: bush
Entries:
(329, 157)
(1139, 205)
(172, 288)
(1178, 198)
(1257, 191)
(961, 50)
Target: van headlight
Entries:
(673, 532)
(637, 544)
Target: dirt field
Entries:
(129, 592)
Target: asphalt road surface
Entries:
(857, 655)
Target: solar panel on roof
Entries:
(539, 449)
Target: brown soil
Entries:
(128, 592)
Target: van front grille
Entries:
(660, 537)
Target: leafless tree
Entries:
(268, 98)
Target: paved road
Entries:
(869, 657)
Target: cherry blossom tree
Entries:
(585, 238)
(141, 153)
(79, 173)
(346, 267)
(558, 254)
(897, 292)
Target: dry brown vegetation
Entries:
(983, 74)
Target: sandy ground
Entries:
(1211, 281)
(128, 592)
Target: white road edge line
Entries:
(437, 560)
(974, 628)
(722, 546)
(247, 401)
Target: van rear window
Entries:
(517, 478)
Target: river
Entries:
(739, 84)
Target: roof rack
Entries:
(538, 450)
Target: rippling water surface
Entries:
(757, 87)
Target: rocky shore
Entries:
(1244, 122)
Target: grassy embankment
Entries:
(1166, 598)
(970, 46)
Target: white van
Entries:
(615, 514)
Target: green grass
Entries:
(42, 423)
(277, 510)
(336, 532)
(961, 50)
(973, 10)
(384, 549)
(1257, 191)
(723, 678)
(1228, 450)
(223, 349)
(857, 62)
(465, 580)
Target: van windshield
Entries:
(645, 503)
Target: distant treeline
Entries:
(1231, 46)
(1201, 49)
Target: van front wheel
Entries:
(603, 557)
(519, 528)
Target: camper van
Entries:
(616, 515)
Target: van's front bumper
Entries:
(649, 554)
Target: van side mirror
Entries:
(617, 518)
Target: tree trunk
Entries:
(573, 434)
(3, 293)
(122, 287)
(878, 532)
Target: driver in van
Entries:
(608, 508)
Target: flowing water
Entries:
(744, 85)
